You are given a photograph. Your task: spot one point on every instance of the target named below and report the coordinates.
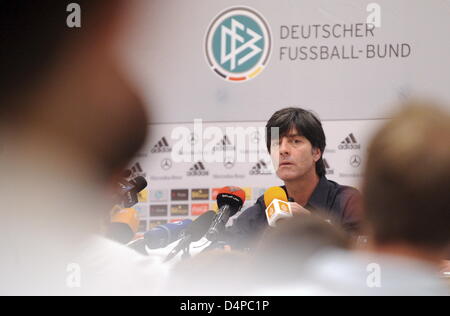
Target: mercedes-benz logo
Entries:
(166, 164)
(355, 161)
(228, 164)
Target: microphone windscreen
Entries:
(200, 225)
(274, 193)
(139, 184)
(231, 196)
(236, 191)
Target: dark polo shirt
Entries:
(341, 204)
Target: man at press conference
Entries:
(296, 153)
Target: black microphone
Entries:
(230, 201)
(193, 233)
(160, 236)
(128, 191)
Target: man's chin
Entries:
(287, 176)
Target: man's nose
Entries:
(284, 147)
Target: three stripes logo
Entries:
(261, 168)
(161, 147)
(136, 170)
(225, 141)
(224, 145)
(349, 143)
(328, 170)
(198, 170)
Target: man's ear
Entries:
(316, 154)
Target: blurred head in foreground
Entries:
(63, 91)
(284, 250)
(69, 121)
(278, 261)
(216, 272)
(407, 183)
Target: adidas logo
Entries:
(261, 168)
(225, 141)
(327, 167)
(136, 170)
(225, 145)
(198, 170)
(349, 143)
(161, 147)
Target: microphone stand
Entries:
(186, 253)
(180, 247)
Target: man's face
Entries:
(293, 156)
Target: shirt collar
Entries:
(319, 197)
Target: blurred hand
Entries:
(297, 209)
